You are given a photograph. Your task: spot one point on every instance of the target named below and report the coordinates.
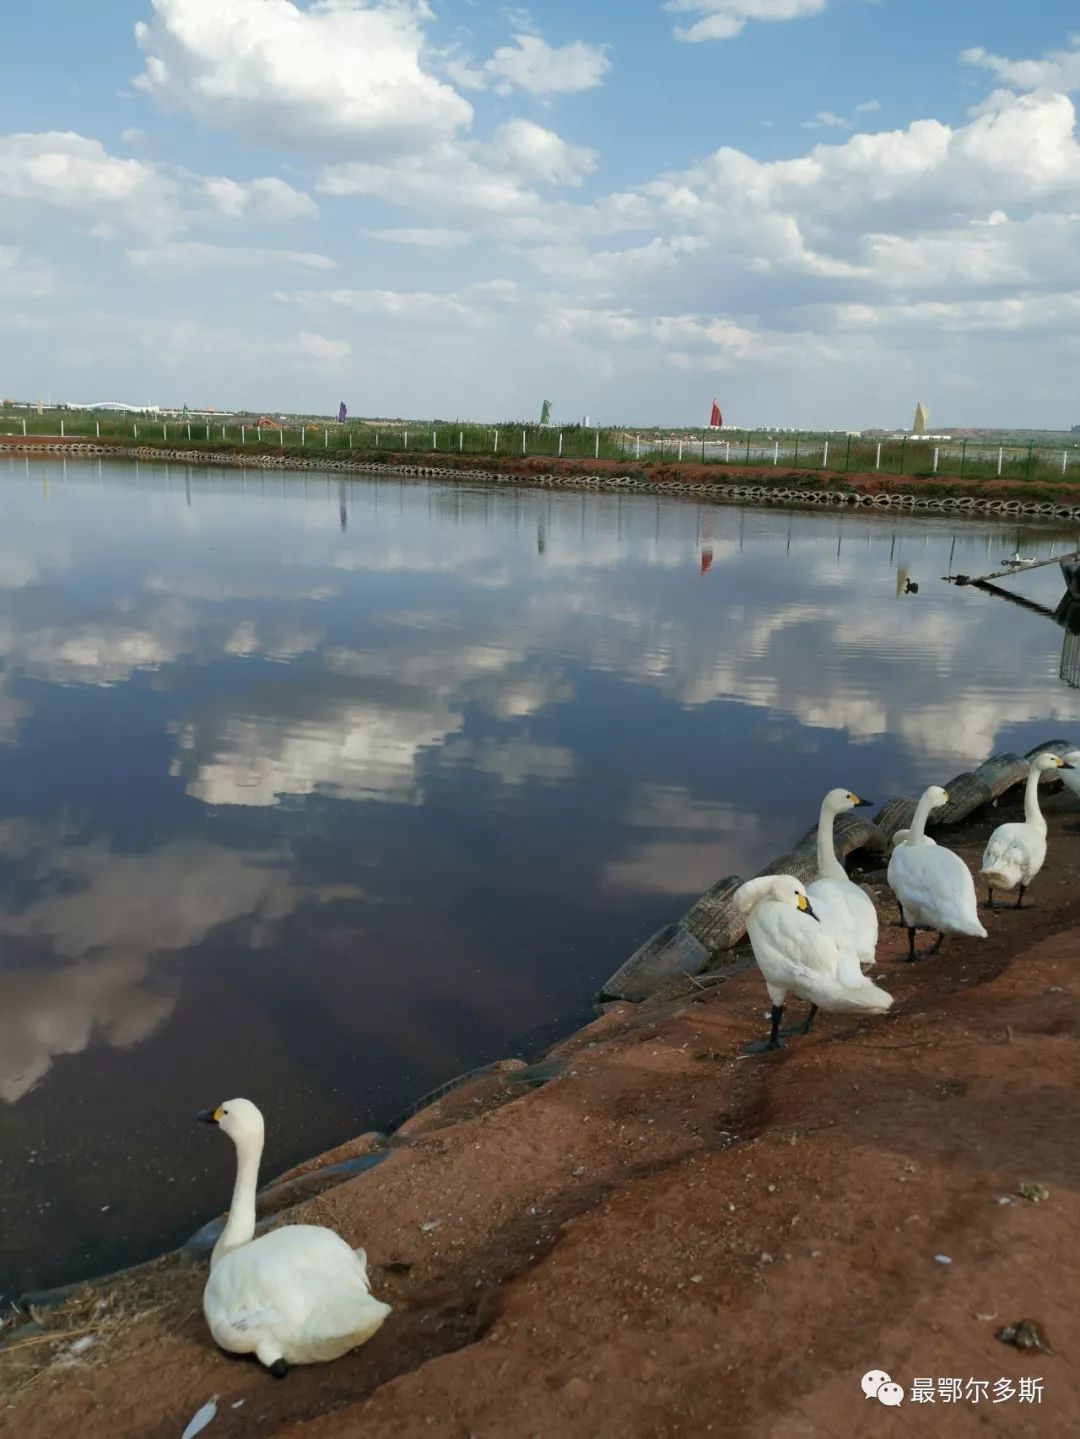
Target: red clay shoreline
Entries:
(656, 473)
(669, 1239)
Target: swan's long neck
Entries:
(240, 1225)
(1032, 813)
(918, 824)
(829, 867)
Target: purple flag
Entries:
(342, 413)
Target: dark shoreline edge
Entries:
(842, 494)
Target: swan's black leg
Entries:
(803, 1028)
(937, 943)
(911, 955)
(1020, 899)
(900, 912)
(774, 1041)
(990, 897)
(279, 1369)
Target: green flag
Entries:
(545, 412)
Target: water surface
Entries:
(321, 792)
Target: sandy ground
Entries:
(671, 1239)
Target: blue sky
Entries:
(818, 210)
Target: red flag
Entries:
(706, 560)
(716, 420)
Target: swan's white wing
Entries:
(864, 922)
(300, 1286)
(831, 908)
(797, 956)
(935, 888)
(1014, 853)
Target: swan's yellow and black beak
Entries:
(210, 1116)
(805, 906)
(1064, 764)
(861, 803)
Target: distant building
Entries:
(1075, 429)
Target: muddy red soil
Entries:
(672, 1239)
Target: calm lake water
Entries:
(323, 792)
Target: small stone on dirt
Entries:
(1035, 1193)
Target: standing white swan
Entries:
(842, 906)
(1072, 760)
(1016, 852)
(934, 887)
(298, 1295)
(797, 957)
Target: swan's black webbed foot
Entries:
(279, 1369)
(762, 1046)
(803, 1028)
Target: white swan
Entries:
(900, 837)
(1015, 852)
(933, 886)
(1072, 780)
(842, 906)
(298, 1295)
(796, 956)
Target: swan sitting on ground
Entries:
(842, 906)
(933, 886)
(297, 1295)
(1015, 852)
(797, 957)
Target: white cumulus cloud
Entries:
(532, 65)
(342, 74)
(1056, 70)
(66, 171)
(189, 256)
(266, 199)
(432, 238)
(724, 19)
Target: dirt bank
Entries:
(537, 467)
(670, 1239)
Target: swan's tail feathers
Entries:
(867, 997)
(1000, 878)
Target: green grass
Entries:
(803, 453)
